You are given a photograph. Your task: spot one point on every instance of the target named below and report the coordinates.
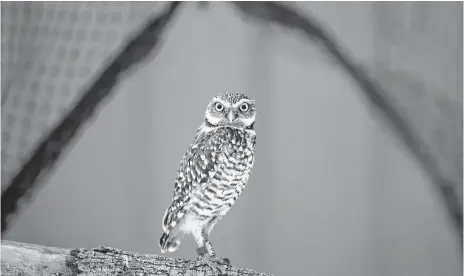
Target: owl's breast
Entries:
(238, 154)
(233, 170)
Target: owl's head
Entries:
(231, 109)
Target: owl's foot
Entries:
(213, 263)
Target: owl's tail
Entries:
(168, 244)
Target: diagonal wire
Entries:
(53, 146)
(283, 15)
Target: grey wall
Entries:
(332, 192)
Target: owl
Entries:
(212, 175)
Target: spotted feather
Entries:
(197, 168)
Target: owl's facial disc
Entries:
(240, 114)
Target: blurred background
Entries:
(333, 191)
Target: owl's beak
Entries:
(232, 116)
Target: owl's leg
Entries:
(208, 228)
(205, 250)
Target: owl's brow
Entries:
(224, 103)
(237, 104)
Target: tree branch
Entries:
(53, 146)
(30, 259)
(270, 12)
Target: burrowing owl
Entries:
(212, 174)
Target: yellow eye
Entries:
(219, 107)
(244, 107)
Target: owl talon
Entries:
(226, 261)
(212, 262)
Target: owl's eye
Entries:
(219, 107)
(244, 107)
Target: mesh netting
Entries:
(51, 51)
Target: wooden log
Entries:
(31, 260)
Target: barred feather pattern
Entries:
(212, 174)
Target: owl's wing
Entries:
(198, 166)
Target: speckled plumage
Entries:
(232, 97)
(213, 172)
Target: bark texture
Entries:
(30, 259)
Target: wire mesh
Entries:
(52, 50)
(50, 53)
